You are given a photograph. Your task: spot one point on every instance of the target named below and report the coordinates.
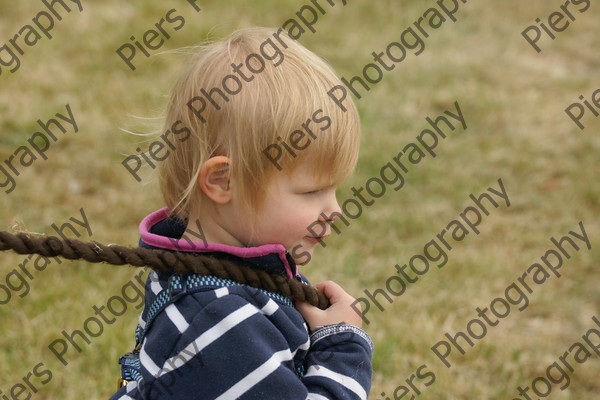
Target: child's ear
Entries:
(214, 179)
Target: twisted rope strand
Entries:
(162, 260)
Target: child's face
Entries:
(291, 204)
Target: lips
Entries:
(316, 239)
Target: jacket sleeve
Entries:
(235, 346)
(339, 363)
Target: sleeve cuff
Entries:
(329, 330)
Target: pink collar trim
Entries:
(164, 242)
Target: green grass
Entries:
(513, 100)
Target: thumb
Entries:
(309, 312)
(306, 309)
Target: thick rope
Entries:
(162, 260)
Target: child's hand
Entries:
(338, 312)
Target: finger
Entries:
(332, 291)
(327, 286)
(304, 307)
(307, 310)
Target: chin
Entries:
(300, 255)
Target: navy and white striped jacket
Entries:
(217, 339)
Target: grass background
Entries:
(512, 98)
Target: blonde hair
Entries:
(265, 111)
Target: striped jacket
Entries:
(217, 339)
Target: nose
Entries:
(332, 208)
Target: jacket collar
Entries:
(161, 230)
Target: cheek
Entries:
(291, 217)
(287, 220)
(287, 230)
(300, 222)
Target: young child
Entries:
(256, 151)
